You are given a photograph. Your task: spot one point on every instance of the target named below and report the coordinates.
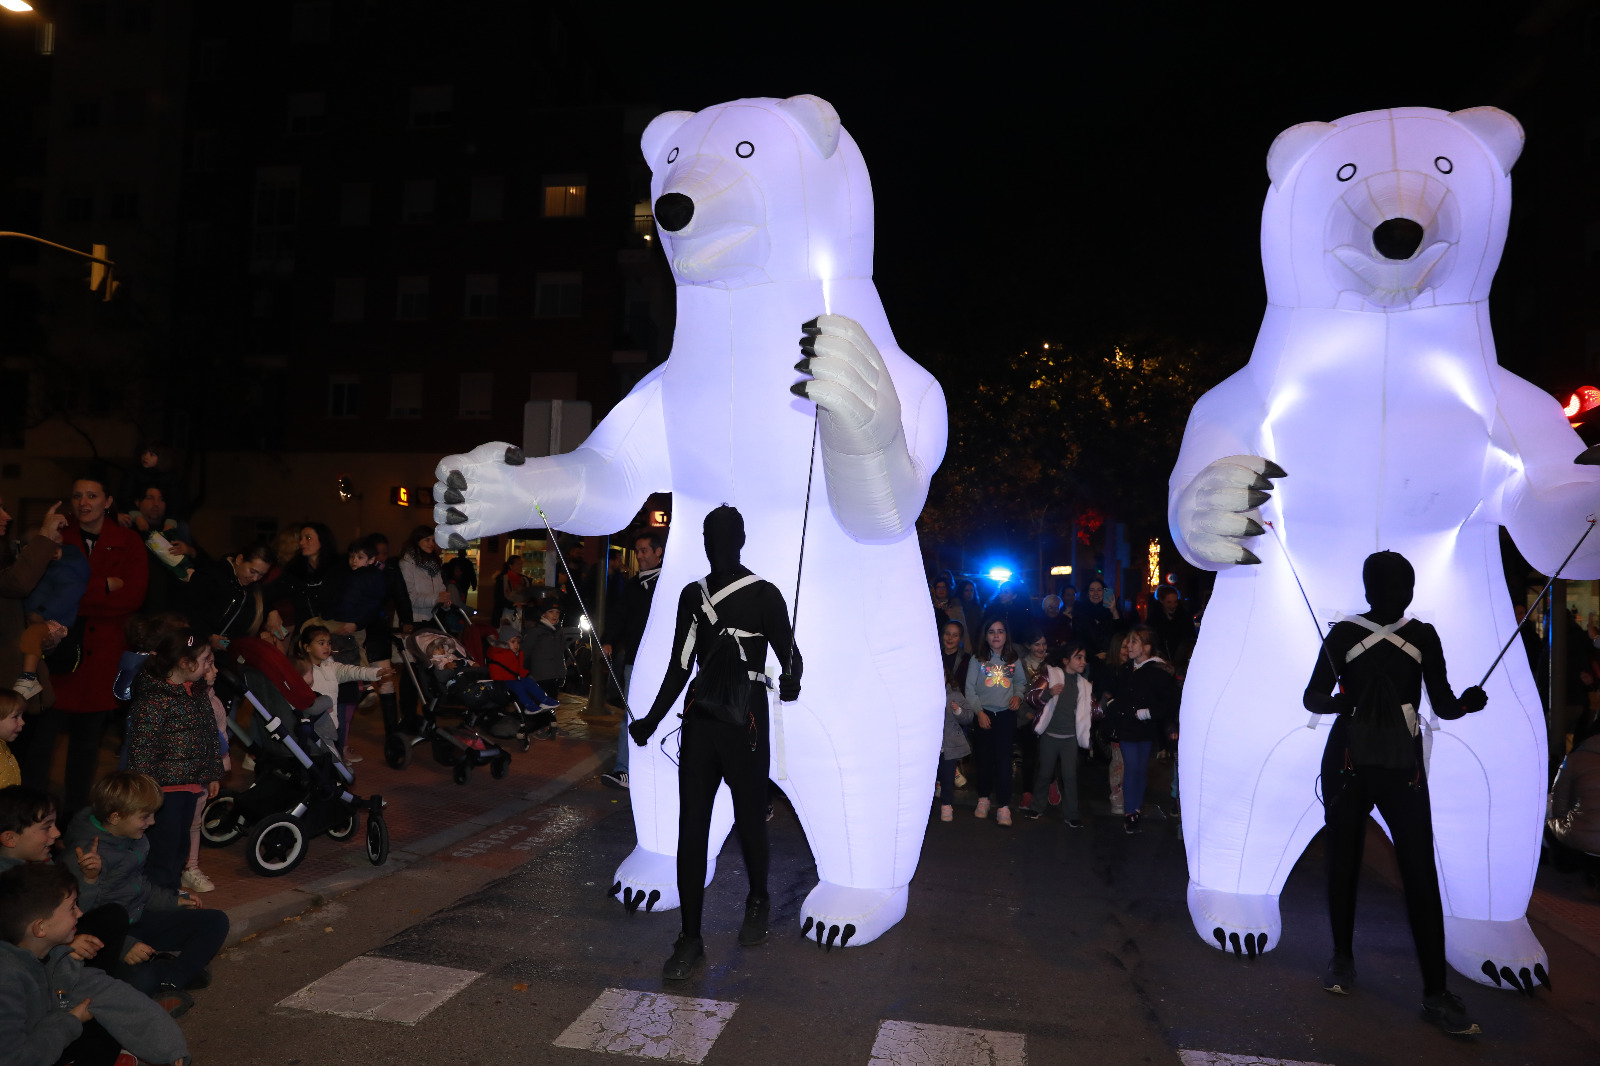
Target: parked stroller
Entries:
(301, 788)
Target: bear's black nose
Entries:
(1395, 238)
(675, 210)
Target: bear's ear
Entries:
(817, 120)
(1293, 145)
(1499, 132)
(661, 127)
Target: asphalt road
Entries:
(1079, 940)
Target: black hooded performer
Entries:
(1374, 758)
(725, 624)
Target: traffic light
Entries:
(100, 273)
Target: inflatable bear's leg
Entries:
(648, 878)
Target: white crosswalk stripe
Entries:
(1217, 1058)
(915, 1044)
(381, 989)
(650, 1025)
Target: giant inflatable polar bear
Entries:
(1374, 385)
(765, 213)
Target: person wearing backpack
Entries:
(725, 623)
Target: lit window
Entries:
(483, 295)
(344, 396)
(431, 105)
(644, 221)
(476, 395)
(416, 203)
(349, 299)
(355, 203)
(413, 303)
(306, 113)
(488, 199)
(558, 296)
(565, 195)
(405, 395)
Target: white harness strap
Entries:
(1388, 633)
(708, 606)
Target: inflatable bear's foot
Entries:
(848, 917)
(649, 880)
(1244, 925)
(1500, 954)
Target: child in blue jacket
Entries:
(51, 609)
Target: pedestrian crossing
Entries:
(666, 1028)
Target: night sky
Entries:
(1071, 175)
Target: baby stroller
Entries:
(444, 674)
(301, 789)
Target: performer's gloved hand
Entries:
(1344, 703)
(1143, 714)
(641, 729)
(1474, 699)
(788, 688)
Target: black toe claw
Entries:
(1233, 938)
(833, 934)
(615, 888)
(515, 456)
(1257, 497)
(1260, 483)
(811, 326)
(819, 934)
(655, 897)
(1273, 469)
(805, 930)
(1543, 976)
(1222, 941)
(1248, 557)
(1511, 978)
(457, 542)
(1527, 980)
(804, 365)
(1493, 974)
(799, 389)
(452, 496)
(845, 934)
(456, 481)
(633, 899)
(1252, 528)
(1250, 944)
(454, 516)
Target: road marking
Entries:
(649, 1025)
(1218, 1058)
(381, 989)
(914, 1044)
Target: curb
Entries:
(252, 918)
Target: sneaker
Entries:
(1130, 823)
(175, 1001)
(947, 813)
(549, 704)
(1027, 799)
(686, 951)
(1116, 809)
(982, 810)
(351, 758)
(754, 929)
(1054, 795)
(1340, 977)
(248, 764)
(1074, 823)
(615, 779)
(126, 1058)
(27, 687)
(1448, 1012)
(1028, 812)
(1002, 816)
(196, 881)
(199, 981)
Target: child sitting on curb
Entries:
(11, 722)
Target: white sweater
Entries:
(328, 676)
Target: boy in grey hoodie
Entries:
(51, 1007)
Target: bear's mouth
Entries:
(725, 235)
(1388, 238)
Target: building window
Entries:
(349, 299)
(413, 302)
(431, 106)
(558, 296)
(203, 152)
(416, 204)
(488, 199)
(405, 395)
(307, 112)
(44, 38)
(483, 295)
(476, 395)
(565, 195)
(85, 114)
(277, 209)
(311, 23)
(344, 396)
(122, 203)
(355, 203)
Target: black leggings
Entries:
(1401, 796)
(715, 751)
(84, 731)
(109, 923)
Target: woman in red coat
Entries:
(118, 576)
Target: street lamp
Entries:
(21, 7)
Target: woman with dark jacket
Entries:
(224, 597)
(305, 587)
(1143, 708)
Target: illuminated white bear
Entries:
(1374, 385)
(765, 212)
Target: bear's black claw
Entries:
(1543, 976)
(833, 934)
(452, 496)
(811, 327)
(1222, 941)
(456, 481)
(819, 934)
(515, 456)
(632, 899)
(615, 888)
(1233, 938)
(845, 934)
(1252, 528)
(1248, 557)
(1511, 978)
(655, 897)
(1493, 974)
(1250, 944)
(799, 389)
(804, 365)
(1261, 482)
(1255, 497)
(1527, 980)
(454, 516)
(1273, 469)
(457, 542)
(805, 930)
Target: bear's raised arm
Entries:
(1544, 499)
(593, 490)
(1218, 483)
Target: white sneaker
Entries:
(351, 758)
(983, 808)
(27, 687)
(947, 813)
(196, 881)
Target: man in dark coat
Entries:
(625, 628)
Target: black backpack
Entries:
(722, 686)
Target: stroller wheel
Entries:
(396, 751)
(221, 823)
(501, 766)
(461, 772)
(276, 845)
(377, 839)
(342, 826)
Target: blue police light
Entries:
(999, 575)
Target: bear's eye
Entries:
(1443, 165)
(672, 156)
(744, 150)
(1346, 172)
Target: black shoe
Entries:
(686, 951)
(1074, 823)
(1448, 1012)
(754, 929)
(199, 981)
(1130, 823)
(1340, 977)
(1027, 812)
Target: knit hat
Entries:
(506, 635)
